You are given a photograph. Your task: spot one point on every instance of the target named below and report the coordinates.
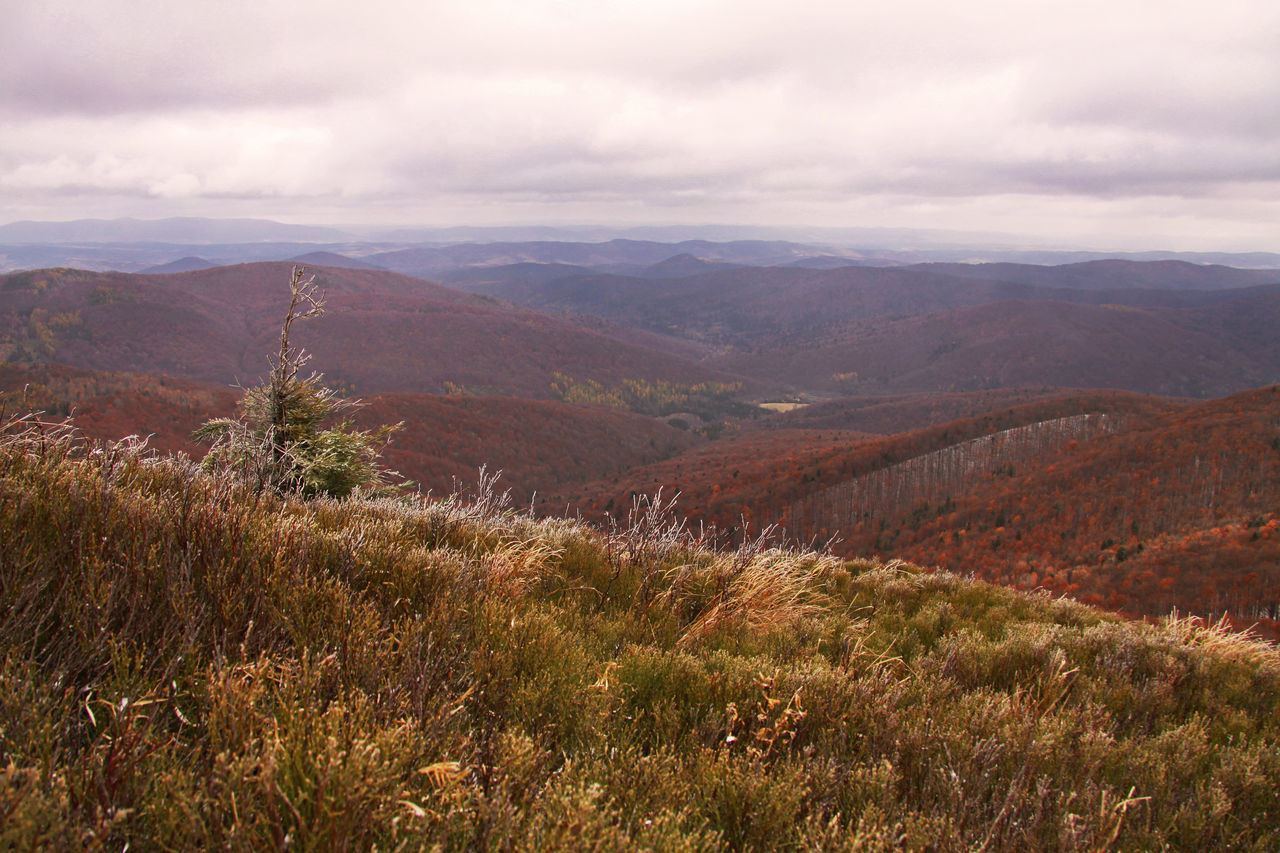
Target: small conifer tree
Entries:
(278, 442)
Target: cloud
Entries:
(610, 108)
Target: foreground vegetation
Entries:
(190, 664)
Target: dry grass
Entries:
(189, 665)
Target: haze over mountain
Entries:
(1161, 327)
(181, 230)
(132, 245)
(191, 263)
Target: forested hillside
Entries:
(1134, 503)
(1163, 327)
(384, 332)
(535, 445)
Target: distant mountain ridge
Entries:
(332, 259)
(1114, 274)
(191, 263)
(131, 245)
(430, 261)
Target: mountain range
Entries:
(133, 245)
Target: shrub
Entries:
(278, 443)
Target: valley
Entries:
(1089, 429)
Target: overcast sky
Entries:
(1112, 123)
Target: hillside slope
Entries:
(777, 467)
(215, 325)
(1138, 504)
(1203, 351)
(535, 444)
(889, 414)
(190, 666)
(1178, 510)
(852, 330)
(1113, 274)
(434, 261)
(1157, 327)
(111, 405)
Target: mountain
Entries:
(187, 264)
(841, 332)
(766, 466)
(892, 474)
(430, 262)
(682, 265)
(1165, 327)
(383, 332)
(750, 307)
(714, 482)
(1151, 512)
(153, 256)
(1239, 260)
(536, 445)
(331, 259)
(111, 405)
(1200, 352)
(1115, 274)
(483, 279)
(907, 342)
(890, 414)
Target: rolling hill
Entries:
(1173, 510)
(1203, 351)
(890, 414)
(383, 331)
(1115, 274)
(1136, 503)
(534, 444)
(111, 405)
(1160, 327)
(188, 264)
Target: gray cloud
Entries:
(930, 113)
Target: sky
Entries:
(1119, 124)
